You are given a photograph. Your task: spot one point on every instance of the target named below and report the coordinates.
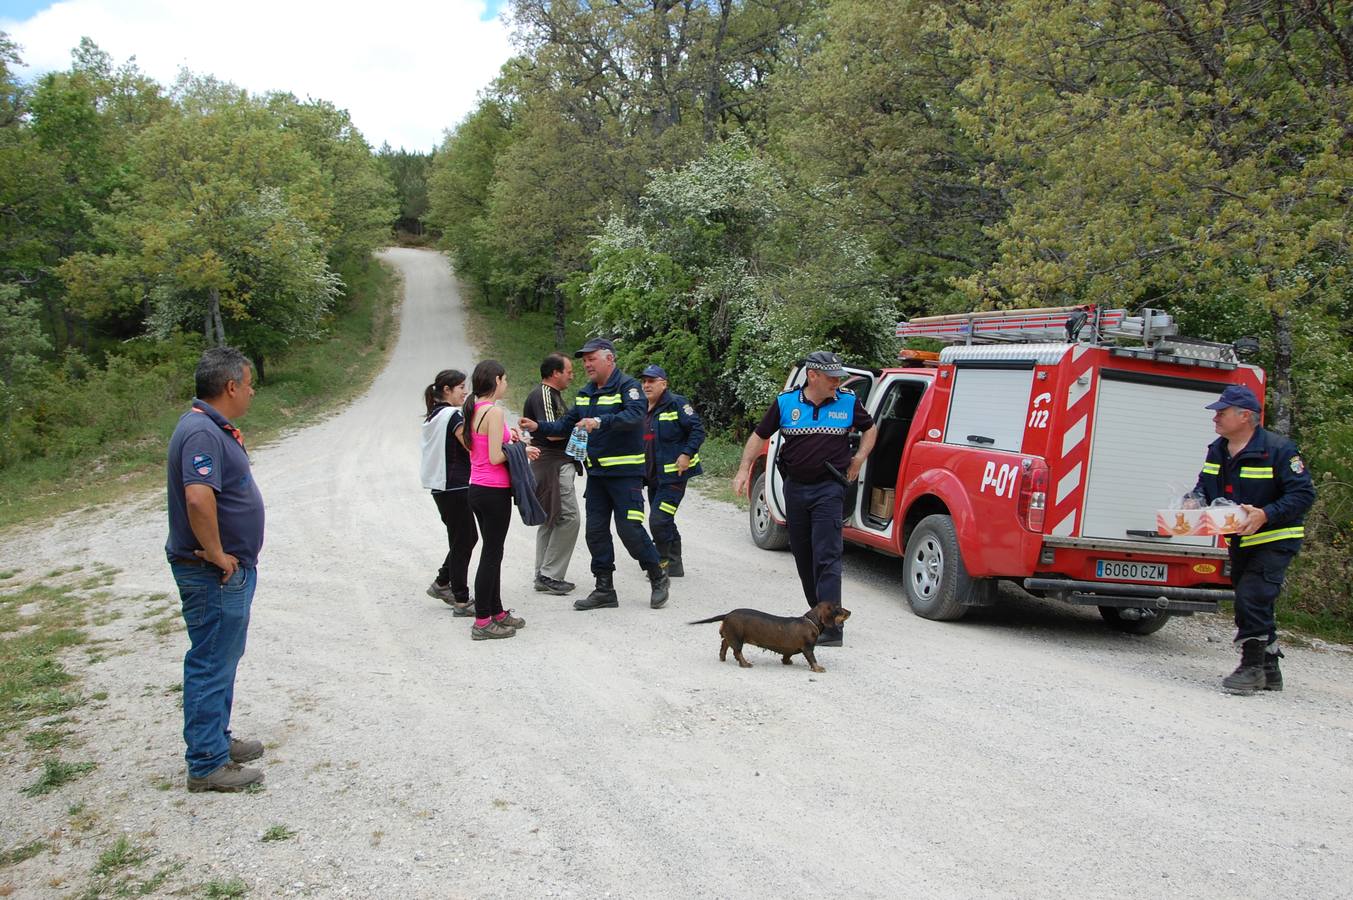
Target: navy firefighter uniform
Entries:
(813, 436)
(1270, 474)
(615, 468)
(672, 429)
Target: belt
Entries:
(184, 561)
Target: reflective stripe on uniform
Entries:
(669, 508)
(1211, 468)
(1277, 534)
(635, 515)
(583, 401)
(669, 416)
(634, 460)
(610, 400)
(672, 467)
(1256, 472)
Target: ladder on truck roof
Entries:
(1053, 324)
(1154, 329)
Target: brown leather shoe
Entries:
(229, 778)
(244, 750)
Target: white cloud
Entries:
(405, 71)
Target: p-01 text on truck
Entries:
(1037, 450)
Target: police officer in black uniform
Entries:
(1264, 474)
(611, 408)
(815, 422)
(673, 434)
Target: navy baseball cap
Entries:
(827, 363)
(654, 372)
(594, 345)
(1236, 395)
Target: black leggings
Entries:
(454, 507)
(493, 510)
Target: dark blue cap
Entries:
(827, 363)
(594, 345)
(1236, 395)
(654, 372)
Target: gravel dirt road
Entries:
(1023, 752)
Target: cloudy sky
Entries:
(406, 70)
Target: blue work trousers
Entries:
(1257, 575)
(217, 616)
(620, 498)
(814, 519)
(663, 502)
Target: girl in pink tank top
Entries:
(490, 497)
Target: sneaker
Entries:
(491, 631)
(462, 608)
(512, 621)
(548, 585)
(442, 592)
(243, 751)
(229, 779)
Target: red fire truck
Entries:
(1036, 448)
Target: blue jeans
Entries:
(217, 616)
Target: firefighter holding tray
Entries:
(1264, 474)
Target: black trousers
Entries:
(461, 536)
(1257, 574)
(493, 510)
(618, 497)
(814, 514)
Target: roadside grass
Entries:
(277, 833)
(15, 855)
(116, 874)
(225, 890)
(305, 383)
(56, 773)
(37, 623)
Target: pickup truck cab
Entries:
(1037, 461)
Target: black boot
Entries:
(659, 582)
(664, 553)
(1273, 676)
(674, 568)
(1249, 675)
(603, 597)
(831, 636)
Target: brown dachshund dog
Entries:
(780, 634)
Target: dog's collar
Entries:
(817, 625)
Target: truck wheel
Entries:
(933, 571)
(766, 532)
(1148, 622)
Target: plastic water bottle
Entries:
(577, 444)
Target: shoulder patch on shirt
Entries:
(1297, 465)
(203, 464)
(634, 393)
(794, 414)
(689, 411)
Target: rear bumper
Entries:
(1121, 595)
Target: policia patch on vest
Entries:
(1297, 465)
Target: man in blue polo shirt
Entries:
(215, 534)
(815, 422)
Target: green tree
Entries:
(1168, 153)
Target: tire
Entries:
(766, 532)
(934, 577)
(1152, 620)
